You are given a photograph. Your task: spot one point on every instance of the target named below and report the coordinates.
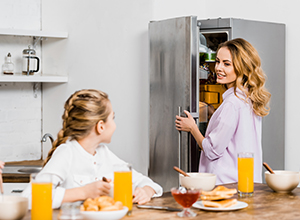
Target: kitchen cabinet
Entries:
(36, 35)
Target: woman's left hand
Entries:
(185, 124)
(142, 195)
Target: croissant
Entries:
(102, 203)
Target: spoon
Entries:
(180, 171)
(268, 167)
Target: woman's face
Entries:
(224, 68)
(109, 126)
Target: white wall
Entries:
(20, 106)
(107, 49)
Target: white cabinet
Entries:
(37, 35)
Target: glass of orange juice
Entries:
(245, 174)
(41, 196)
(123, 185)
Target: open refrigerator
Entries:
(182, 53)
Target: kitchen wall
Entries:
(107, 49)
(20, 103)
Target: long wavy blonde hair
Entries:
(83, 110)
(250, 76)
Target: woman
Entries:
(236, 125)
(79, 158)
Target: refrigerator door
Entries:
(173, 84)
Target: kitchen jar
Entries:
(31, 62)
(210, 56)
(8, 66)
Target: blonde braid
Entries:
(83, 110)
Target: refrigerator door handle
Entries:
(195, 115)
(179, 140)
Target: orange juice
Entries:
(245, 174)
(41, 207)
(123, 188)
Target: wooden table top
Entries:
(264, 204)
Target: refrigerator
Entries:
(181, 78)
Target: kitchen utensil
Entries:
(159, 208)
(13, 207)
(203, 181)
(283, 181)
(31, 63)
(41, 194)
(70, 210)
(186, 198)
(123, 185)
(245, 174)
(239, 205)
(104, 215)
(180, 171)
(8, 66)
(268, 167)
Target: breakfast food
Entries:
(216, 197)
(219, 197)
(102, 203)
(220, 204)
(220, 190)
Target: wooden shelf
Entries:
(34, 78)
(33, 33)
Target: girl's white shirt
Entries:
(71, 166)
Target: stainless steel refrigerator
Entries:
(176, 83)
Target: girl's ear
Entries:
(100, 127)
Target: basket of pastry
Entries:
(220, 197)
(103, 207)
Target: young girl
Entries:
(79, 160)
(236, 125)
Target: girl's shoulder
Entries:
(64, 149)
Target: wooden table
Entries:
(264, 204)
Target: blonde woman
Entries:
(236, 125)
(79, 159)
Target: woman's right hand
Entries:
(96, 189)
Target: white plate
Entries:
(239, 205)
(104, 215)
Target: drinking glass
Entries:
(41, 194)
(186, 198)
(123, 185)
(245, 174)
